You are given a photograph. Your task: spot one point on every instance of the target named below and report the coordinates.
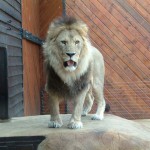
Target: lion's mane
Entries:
(52, 59)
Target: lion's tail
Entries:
(107, 108)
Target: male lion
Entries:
(75, 70)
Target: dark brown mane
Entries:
(58, 87)
(67, 20)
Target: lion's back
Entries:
(98, 65)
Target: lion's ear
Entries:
(82, 28)
(51, 32)
(54, 30)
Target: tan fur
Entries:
(75, 35)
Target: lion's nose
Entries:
(70, 54)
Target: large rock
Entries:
(113, 133)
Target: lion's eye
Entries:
(64, 42)
(77, 42)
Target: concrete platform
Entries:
(113, 133)
(145, 122)
(38, 125)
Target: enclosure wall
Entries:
(10, 22)
(31, 58)
(120, 29)
(36, 16)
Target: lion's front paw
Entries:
(54, 124)
(98, 117)
(75, 125)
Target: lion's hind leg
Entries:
(88, 103)
(99, 115)
(99, 97)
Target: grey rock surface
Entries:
(113, 133)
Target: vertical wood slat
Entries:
(49, 10)
(31, 51)
(112, 25)
(37, 15)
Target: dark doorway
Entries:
(3, 84)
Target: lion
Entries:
(74, 69)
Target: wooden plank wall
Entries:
(49, 10)
(31, 58)
(10, 38)
(120, 29)
(37, 14)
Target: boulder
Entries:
(113, 133)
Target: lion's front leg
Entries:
(75, 121)
(55, 121)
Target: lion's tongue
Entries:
(70, 63)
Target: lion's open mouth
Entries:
(70, 63)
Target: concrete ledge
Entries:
(111, 133)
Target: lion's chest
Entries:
(58, 87)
